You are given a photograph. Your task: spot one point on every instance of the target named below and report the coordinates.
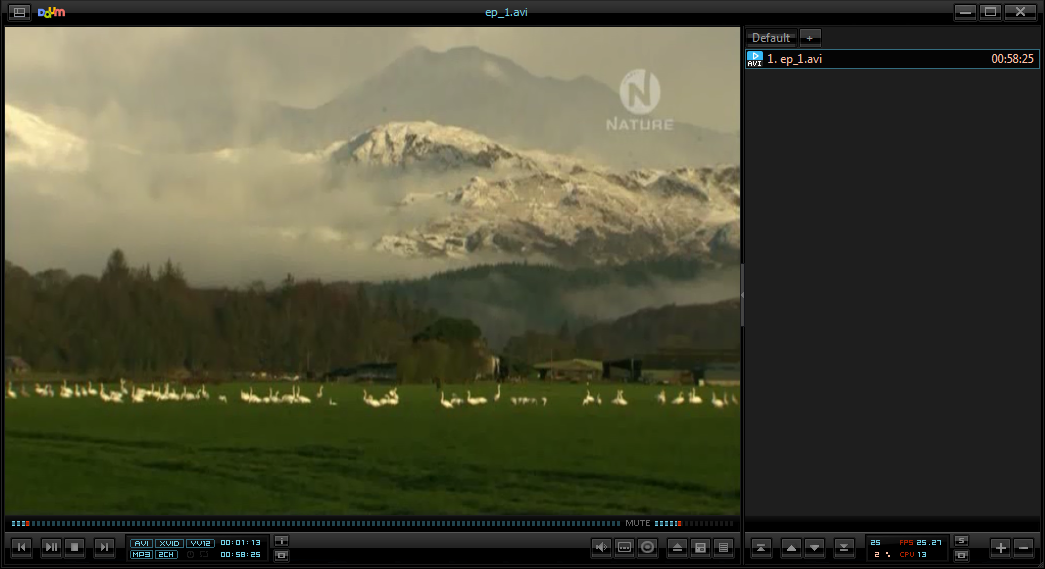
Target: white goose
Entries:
(588, 399)
(497, 396)
(444, 401)
(11, 391)
(678, 400)
(693, 397)
(662, 397)
(619, 399)
(718, 403)
(369, 400)
(475, 400)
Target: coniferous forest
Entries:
(140, 321)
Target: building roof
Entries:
(681, 359)
(14, 361)
(570, 365)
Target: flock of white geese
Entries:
(126, 392)
(136, 394)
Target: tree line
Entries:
(136, 322)
(131, 321)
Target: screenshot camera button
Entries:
(648, 548)
(961, 541)
(700, 548)
(677, 548)
(74, 548)
(845, 548)
(1023, 548)
(961, 555)
(624, 548)
(791, 548)
(1001, 548)
(21, 548)
(104, 548)
(601, 548)
(815, 548)
(761, 548)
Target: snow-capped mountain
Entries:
(459, 194)
(531, 203)
(487, 93)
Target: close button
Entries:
(1021, 13)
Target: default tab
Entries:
(769, 38)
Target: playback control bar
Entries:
(999, 548)
(633, 546)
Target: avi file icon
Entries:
(754, 56)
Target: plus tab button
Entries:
(1001, 547)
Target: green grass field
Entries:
(74, 456)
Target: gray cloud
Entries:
(160, 74)
(265, 216)
(610, 302)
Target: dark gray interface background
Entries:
(892, 251)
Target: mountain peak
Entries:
(426, 144)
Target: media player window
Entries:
(447, 284)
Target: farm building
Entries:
(722, 374)
(15, 365)
(373, 372)
(570, 370)
(676, 366)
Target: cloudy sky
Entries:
(229, 223)
(95, 69)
